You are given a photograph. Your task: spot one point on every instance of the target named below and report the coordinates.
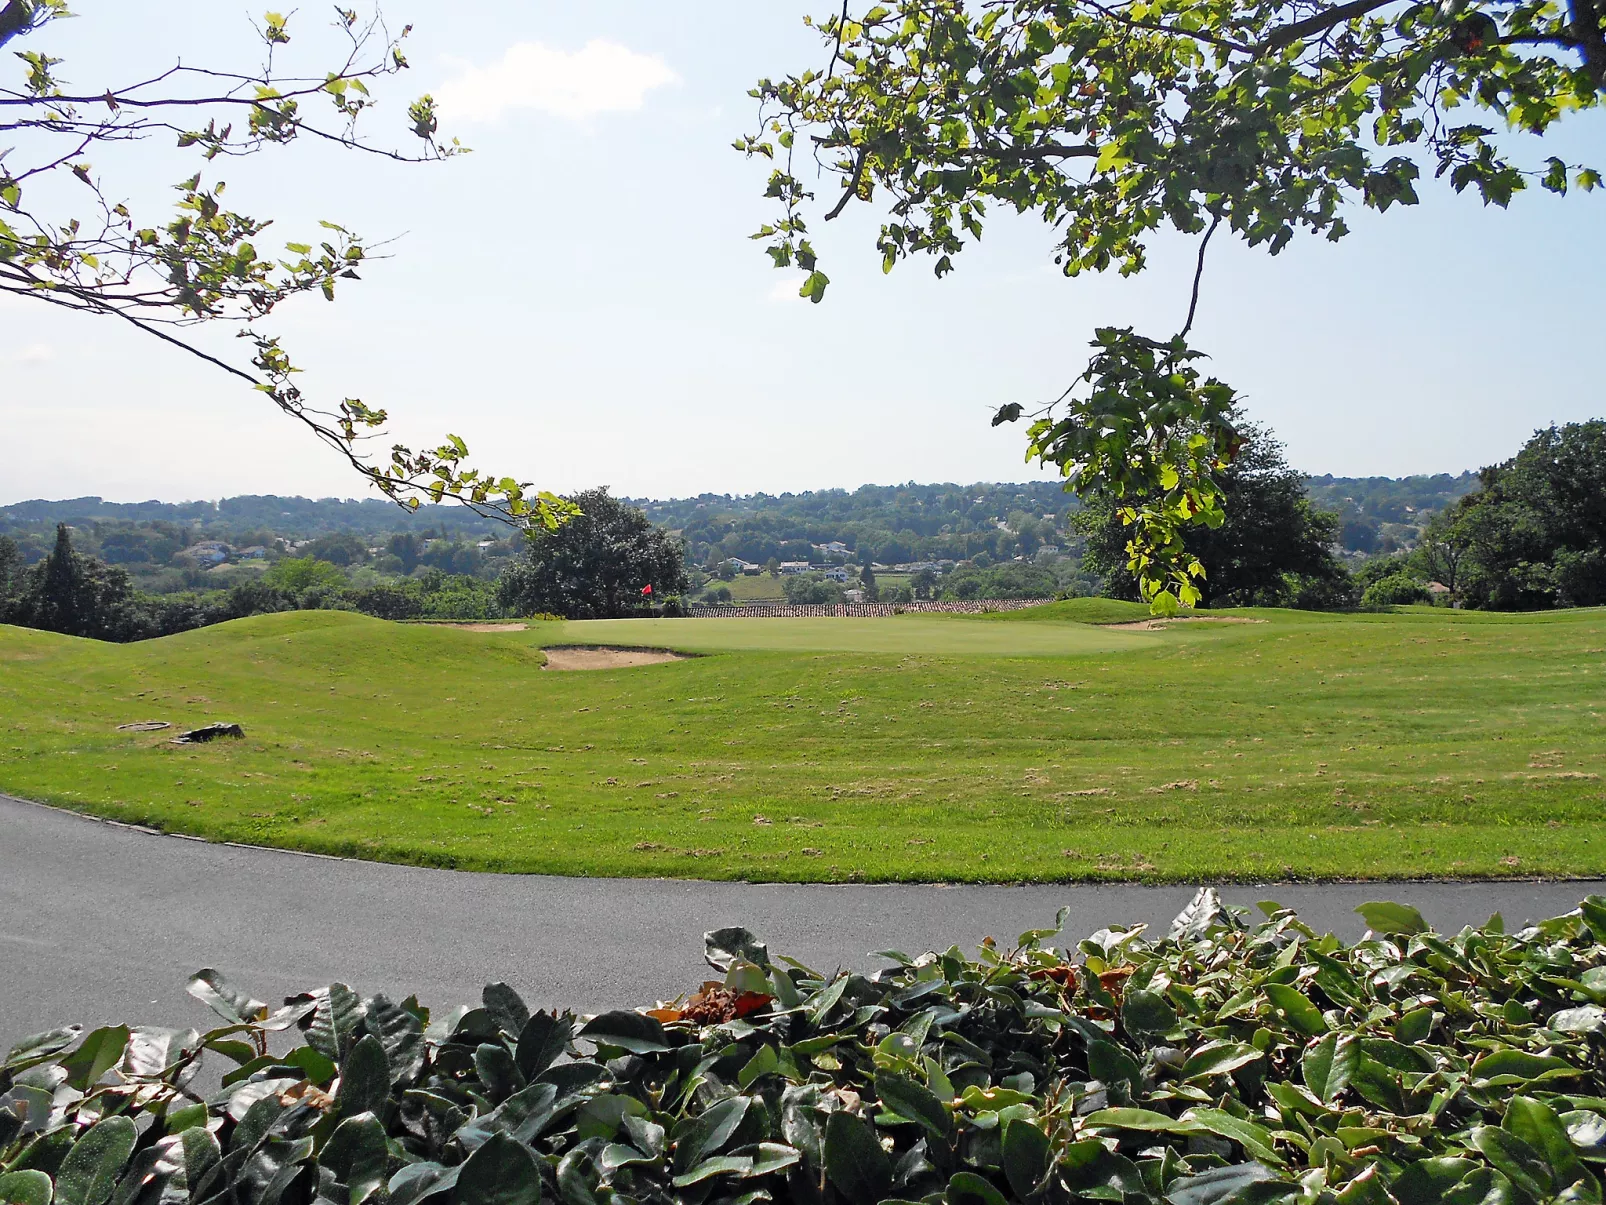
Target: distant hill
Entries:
(889, 524)
(294, 518)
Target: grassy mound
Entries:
(1218, 1066)
(929, 748)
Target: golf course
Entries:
(1054, 744)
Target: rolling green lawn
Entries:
(1004, 747)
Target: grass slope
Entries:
(923, 747)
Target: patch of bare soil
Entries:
(1160, 625)
(483, 627)
(598, 657)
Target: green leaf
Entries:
(1427, 1181)
(1414, 1026)
(1519, 1162)
(1109, 1064)
(1296, 1008)
(1256, 1140)
(765, 1062)
(419, 1180)
(719, 1165)
(92, 1167)
(365, 1079)
(1025, 1156)
(1145, 1120)
(1589, 1018)
(357, 1154)
(25, 1188)
(914, 1101)
(501, 1172)
(1520, 1065)
(854, 1160)
(543, 1039)
(1147, 1014)
(1539, 1126)
(708, 1133)
(1593, 908)
(1218, 1185)
(1391, 919)
(628, 1031)
(814, 287)
(1218, 1058)
(96, 1055)
(967, 1188)
(211, 989)
(1328, 1065)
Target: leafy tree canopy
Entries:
(1535, 535)
(1113, 119)
(1272, 547)
(598, 565)
(206, 262)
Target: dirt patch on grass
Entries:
(482, 627)
(1160, 625)
(599, 657)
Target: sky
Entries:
(580, 301)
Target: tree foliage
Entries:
(1535, 535)
(1271, 547)
(1218, 1065)
(1111, 120)
(205, 262)
(598, 565)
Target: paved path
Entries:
(100, 923)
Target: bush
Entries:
(1395, 590)
(1219, 1066)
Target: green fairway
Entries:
(934, 635)
(1000, 747)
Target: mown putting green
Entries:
(1005, 747)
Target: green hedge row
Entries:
(1220, 1065)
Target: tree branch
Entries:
(1589, 28)
(852, 190)
(1047, 150)
(1318, 22)
(16, 17)
(1198, 275)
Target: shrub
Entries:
(1395, 590)
(1218, 1066)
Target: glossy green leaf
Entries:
(854, 1160)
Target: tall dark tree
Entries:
(608, 563)
(10, 578)
(1273, 547)
(78, 596)
(1535, 534)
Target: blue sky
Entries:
(578, 298)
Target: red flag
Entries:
(646, 589)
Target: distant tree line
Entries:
(1531, 537)
(80, 595)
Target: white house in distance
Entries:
(836, 573)
(833, 548)
(790, 567)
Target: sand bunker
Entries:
(597, 657)
(1160, 625)
(483, 627)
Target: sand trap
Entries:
(1160, 625)
(597, 657)
(482, 627)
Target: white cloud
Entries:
(604, 77)
(34, 353)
